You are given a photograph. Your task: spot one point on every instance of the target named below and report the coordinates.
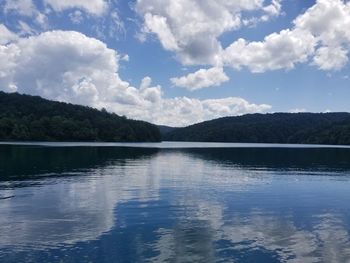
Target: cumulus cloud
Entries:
(202, 78)
(6, 35)
(95, 7)
(328, 58)
(329, 22)
(277, 51)
(69, 66)
(274, 8)
(320, 36)
(182, 111)
(191, 27)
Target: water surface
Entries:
(176, 203)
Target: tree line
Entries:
(31, 118)
(299, 128)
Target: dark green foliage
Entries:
(166, 129)
(309, 128)
(24, 117)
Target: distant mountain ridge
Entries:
(299, 128)
(32, 118)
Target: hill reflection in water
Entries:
(81, 204)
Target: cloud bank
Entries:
(192, 29)
(69, 66)
(320, 36)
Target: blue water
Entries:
(174, 203)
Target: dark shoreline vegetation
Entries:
(290, 128)
(31, 118)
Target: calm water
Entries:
(174, 203)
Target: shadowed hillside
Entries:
(308, 128)
(24, 117)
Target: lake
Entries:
(174, 202)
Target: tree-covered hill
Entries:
(166, 129)
(308, 128)
(24, 117)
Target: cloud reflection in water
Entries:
(179, 206)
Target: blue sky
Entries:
(179, 62)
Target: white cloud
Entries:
(76, 17)
(25, 8)
(22, 7)
(274, 8)
(8, 55)
(326, 19)
(328, 58)
(95, 7)
(158, 25)
(297, 110)
(182, 111)
(25, 29)
(117, 26)
(6, 35)
(329, 22)
(278, 51)
(125, 58)
(202, 78)
(322, 34)
(191, 28)
(68, 66)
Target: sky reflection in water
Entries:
(81, 204)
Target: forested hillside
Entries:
(24, 117)
(166, 129)
(308, 128)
